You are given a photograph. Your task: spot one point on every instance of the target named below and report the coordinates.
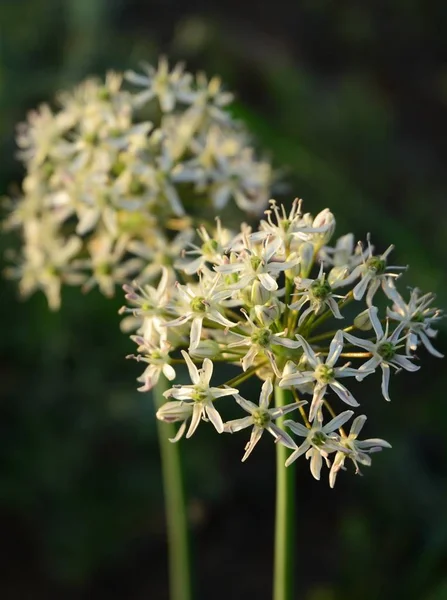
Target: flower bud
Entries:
(307, 258)
(268, 313)
(362, 321)
(174, 411)
(205, 349)
(327, 220)
(258, 294)
(295, 270)
(337, 274)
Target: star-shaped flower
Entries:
(261, 419)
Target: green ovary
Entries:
(324, 373)
(376, 264)
(318, 439)
(320, 290)
(198, 304)
(261, 418)
(262, 337)
(387, 350)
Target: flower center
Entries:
(324, 373)
(387, 350)
(320, 290)
(261, 418)
(137, 188)
(255, 262)
(262, 337)
(418, 318)
(210, 247)
(198, 304)
(376, 264)
(199, 394)
(318, 438)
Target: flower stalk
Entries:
(175, 505)
(284, 551)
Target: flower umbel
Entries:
(263, 302)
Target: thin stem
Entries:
(329, 334)
(283, 582)
(243, 376)
(175, 506)
(328, 313)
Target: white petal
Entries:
(179, 433)
(335, 349)
(297, 428)
(195, 420)
(338, 421)
(406, 364)
(366, 344)
(238, 424)
(310, 354)
(267, 281)
(316, 462)
(281, 436)
(168, 372)
(301, 450)
(193, 371)
(249, 358)
(256, 435)
(360, 288)
(266, 392)
(429, 345)
(357, 425)
(375, 321)
(196, 331)
(343, 393)
(373, 443)
(207, 372)
(214, 417)
(385, 380)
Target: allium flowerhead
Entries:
(123, 165)
(273, 304)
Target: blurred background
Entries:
(351, 99)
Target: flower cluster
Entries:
(114, 171)
(262, 302)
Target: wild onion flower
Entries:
(262, 302)
(117, 167)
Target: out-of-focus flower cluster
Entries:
(274, 303)
(113, 171)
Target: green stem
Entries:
(175, 505)
(283, 582)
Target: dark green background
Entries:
(351, 98)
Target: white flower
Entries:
(384, 352)
(174, 411)
(356, 450)
(261, 418)
(318, 292)
(202, 302)
(211, 250)
(288, 227)
(200, 395)
(343, 258)
(157, 357)
(261, 340)
(165, 85)
(319, 442)
(324, 374)
(417, 317)
(256, 262)
(108, 263)
(148, 303)
(374, 273)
